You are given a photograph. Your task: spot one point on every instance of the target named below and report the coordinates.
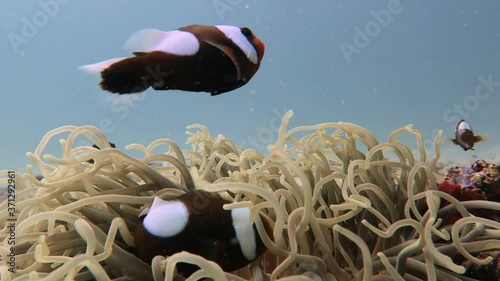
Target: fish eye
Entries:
(246, 31)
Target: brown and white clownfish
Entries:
(197, 223)
(197, 58)
(464, 136)
(91, 161)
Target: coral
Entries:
(479, 181)
(490, 271)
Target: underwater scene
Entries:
(250, 140)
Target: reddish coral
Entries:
(452, 189)
(480, 181)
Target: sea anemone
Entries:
(343, 207)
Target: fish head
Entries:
(255, 41)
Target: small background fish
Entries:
(464, 136)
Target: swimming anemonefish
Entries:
(464, 136)
(197, 223)
(197, 58)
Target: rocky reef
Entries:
(479, 181)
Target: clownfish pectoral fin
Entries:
(230, 53)
(454, 141)
(479, 138)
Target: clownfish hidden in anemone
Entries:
(464, 136)
(196, 58)
(196, 222)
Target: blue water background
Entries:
(419, 67)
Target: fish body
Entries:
(196, 58)
(464, 136)
(197, 223)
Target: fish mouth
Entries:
(259, 46)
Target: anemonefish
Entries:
(464, 136)
(91, 161)
(110, 144)
(197, 58)
(197, 223)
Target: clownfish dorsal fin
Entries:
(157, 202)
(139, 54)
(176, 42)
(230, 53)
(144, 39)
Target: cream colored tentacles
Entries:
(343, 206)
